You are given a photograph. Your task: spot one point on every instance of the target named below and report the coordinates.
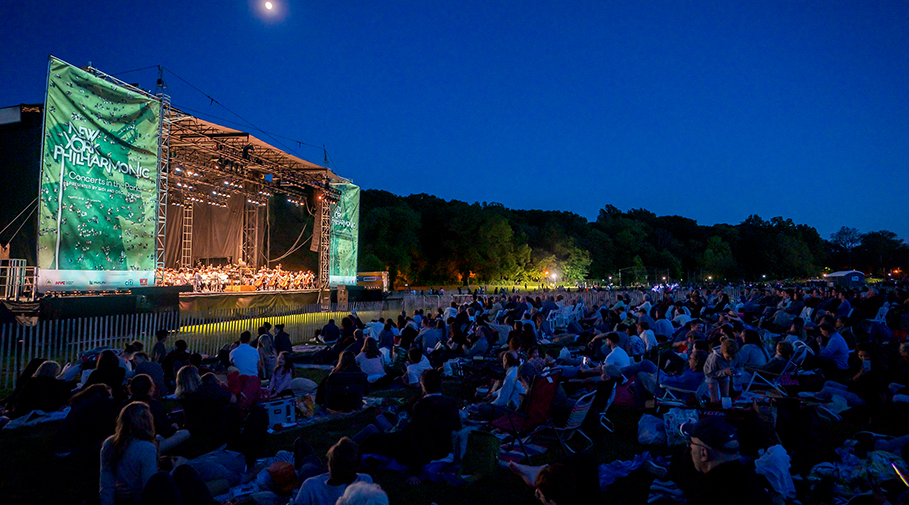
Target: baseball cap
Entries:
(714, 431)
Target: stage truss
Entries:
(210, 162)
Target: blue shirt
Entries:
(843, 309)
(837, 350)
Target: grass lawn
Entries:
(31, 474)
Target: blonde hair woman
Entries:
(129, 457)
(188, 382)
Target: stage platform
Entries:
(203, 302)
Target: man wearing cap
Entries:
(714, 448)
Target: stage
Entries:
(206, 301)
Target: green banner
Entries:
(98, 183)
(345, 224)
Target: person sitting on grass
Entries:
(417, 362)
(283, 374)
(427, 437)
(142, 389)
(130, 457)
(370, 361)
(43, 391)
(108, 371)
(325, 489)
(343, 389)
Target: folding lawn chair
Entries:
(761, 378)
(535, 411)
(572, 427)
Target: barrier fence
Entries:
(63, 340)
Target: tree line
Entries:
(425, 240)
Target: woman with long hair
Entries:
(370, 360)
(130, 457)
(282, 375)
(346, 362)
(108, 371)
(43, 391)
(344, 387)
(188, 382)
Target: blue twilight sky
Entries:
(709, 110)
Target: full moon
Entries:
(268, 5)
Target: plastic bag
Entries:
(651, 430)
(675, 418)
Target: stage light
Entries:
(269, 5)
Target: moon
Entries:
(269, 5)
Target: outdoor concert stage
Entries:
(129, 186)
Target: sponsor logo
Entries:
(143, 282)
(96, 283)
(60, 283)
(129, 282)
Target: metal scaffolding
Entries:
(186, 245)
(163, 170)
(250, 235)
(325, 211)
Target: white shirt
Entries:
(509, 394)
(246, 359)
(414, 371)
(649, 339)
(618, 357)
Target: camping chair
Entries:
(678, 397)
(761, 378)
(880, 318)
(805, 314)
(535, 409)
(572, 426)
(607, 389)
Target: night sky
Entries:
(709, 110)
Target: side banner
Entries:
(345, 225)
(98, 184)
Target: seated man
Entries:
(325, 489)
(417, 363)
(648, 379)
(715, 453)
(834, 356)
(427, 437)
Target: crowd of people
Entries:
(214, 279)
(844, 366)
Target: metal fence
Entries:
(63, 340)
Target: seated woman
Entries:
(43, 391)
(282, 375)
(129, 466)
(168, 435)
(108, 371)
(130, 457)
(370, 361)
(344, 387)
(204, 405)
(506, 395)
(752, 353)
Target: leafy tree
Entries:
(718, 258)
(847, 239)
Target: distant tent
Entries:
(846, 279)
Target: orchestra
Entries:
(214, 279)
